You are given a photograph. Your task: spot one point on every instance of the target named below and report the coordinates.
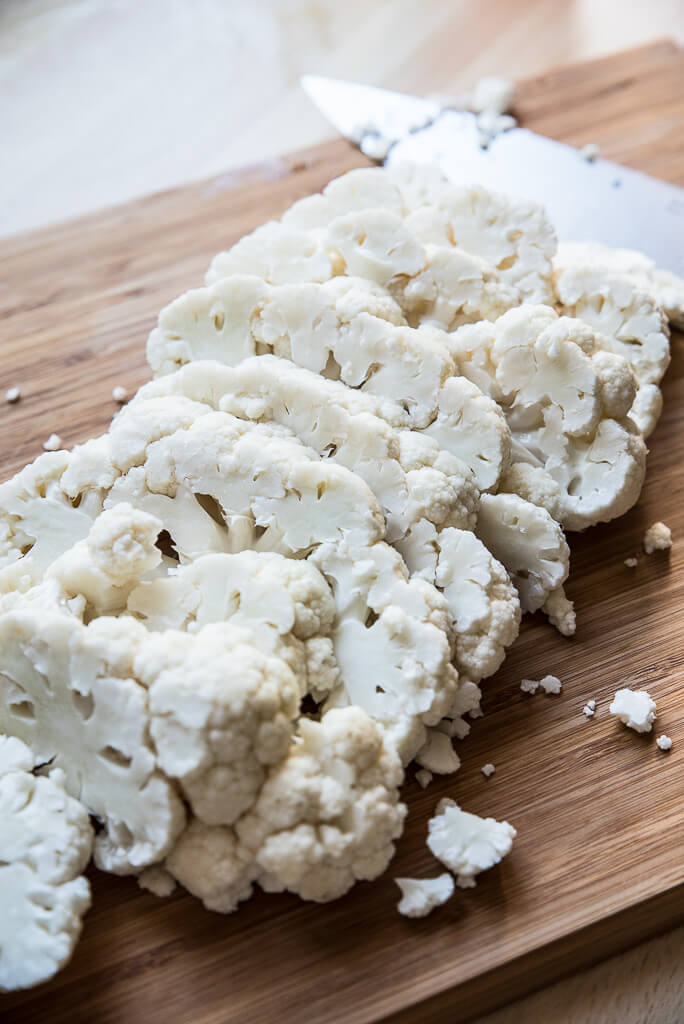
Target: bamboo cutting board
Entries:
(598, 863)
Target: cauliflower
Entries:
(566, 412)
(531, 545)
(561, 611)
(421, 488)
(326, 817)
(467, 844)
(666, 288)
(627, 321)
(419, 896)
(45, 843)
(69, 691)
(437, 754)
(658, 537)
(635, 708)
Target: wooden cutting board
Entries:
(599, 859)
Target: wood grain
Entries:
(598, 861)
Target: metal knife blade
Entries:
(597, 200)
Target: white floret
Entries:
(488, 770)
(666, 288)
(327, 816)
(635, 708)
(664, 743)
(45, 843)
(566, 409)
(627, 320)
(561, 612)
(467, 844)
(551, 684)
(420, 896)
(658, 537)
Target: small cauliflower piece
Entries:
(467, 844)
(438, 755)
(658, 537)
(635, 708)
(45, 843)
(529, 685)
(423, 777)
(561, 612)
(488, 770)
(631, 563)
(664, 743)
(551, 684)
(157, 880)
(420, 896)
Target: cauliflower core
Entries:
(45, 843)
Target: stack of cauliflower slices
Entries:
(232, 621)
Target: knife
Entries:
(596, 200)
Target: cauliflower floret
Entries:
(45, 843)
(467, 844)
(221, 712)
(635, 708)
(561, 612)
(326, 817)
(108, 563)
(419, 896)
(627, 321)
(558, 405)
(666, 288)
(69, 691)
(528, 542)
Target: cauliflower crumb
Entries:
(467, 844)
(12, 395)
(590, 152)
(529, 686)
(631, 563)
(53, 443)
(588, 711)
(119, 394)
(664, 742)
(551, 684)
(488, 770)
(658, 537)
(636, 708)
(157, 880)
(424, 777)
(421, 895)
(591, 704)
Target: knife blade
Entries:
(597, 200)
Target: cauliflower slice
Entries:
(326, 817)
(664, 287)
(531, 545)
(557, 402)
(420, 896)
(627, 321)
(467, 844)
(70, 692)
(45, 843)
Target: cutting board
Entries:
(599, 860)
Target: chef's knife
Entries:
(596, 199)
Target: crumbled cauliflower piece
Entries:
(631, 563)
(12, 395)
(635, 708)
(157, 880)
(53, 443)
(438, 755)
(488, 770)
(420, 896)
(423, 777)
(664, 743)
(326, 817)
(561, 612)
(45, 843)
(467, 844)
(529, 685)
(551, 684)
(588, 711)
(658, 537)
(119, 394)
